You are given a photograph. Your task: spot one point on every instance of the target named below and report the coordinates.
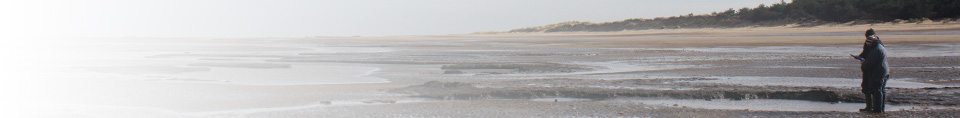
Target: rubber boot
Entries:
(869, 101)
(880, 102)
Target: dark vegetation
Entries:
(801, 12)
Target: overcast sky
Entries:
(298, 18)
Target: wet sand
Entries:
(650, 73)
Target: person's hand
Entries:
(856, 57)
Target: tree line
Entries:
(850, 10)
(804, 12)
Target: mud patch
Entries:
(578, 88)
(464, 91)
(775, 105)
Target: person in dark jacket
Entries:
(873, 63)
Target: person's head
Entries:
(871, 36)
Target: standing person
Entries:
(873, 63)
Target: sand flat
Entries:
(922, 55)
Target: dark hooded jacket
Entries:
(874, 64)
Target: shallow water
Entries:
(560, 99)
(88, 110)
(172, 61)
(894, 50)
(616, 67)
(809, 81)
(297, 74)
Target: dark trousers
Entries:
(875, 95)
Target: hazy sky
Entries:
(298, 18)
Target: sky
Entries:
(299, 18)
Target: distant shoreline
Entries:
(798, 13)
(845, 27)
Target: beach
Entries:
(736, 72)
